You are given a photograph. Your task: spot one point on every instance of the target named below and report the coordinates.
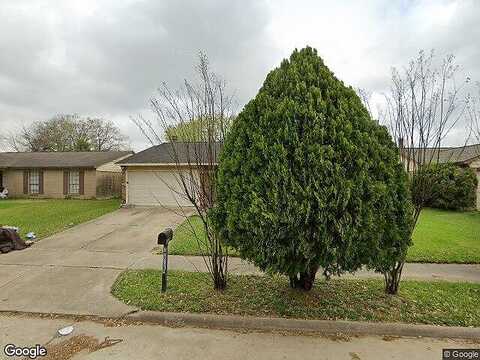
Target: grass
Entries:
(185, 238)
(440, 237)
(436, 303)
(446, 237)
(46, 217)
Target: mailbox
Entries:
(163, 239)
(165, 236)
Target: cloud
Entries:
(107, 58)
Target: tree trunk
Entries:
(393, 277)
(220, 283)
(219, 279)
(218, 270)
(304, 280)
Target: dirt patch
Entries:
(68, 348)
(390, 338)
(339, 337)
(354, 356)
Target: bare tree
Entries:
(423, 105)
(365, 96)
(474, 113)
(55, 134)
(9, 142)
(103, 135)
(206, 104)
(4, 142)
(68, 132)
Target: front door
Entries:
(1, 181)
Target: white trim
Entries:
(126, 186)
(115, 160)
(167, 164)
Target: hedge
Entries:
(452, 187)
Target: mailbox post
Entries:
(163, 239)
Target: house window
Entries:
(33, 182)
(74, 182)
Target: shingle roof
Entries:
(462, 154)
(59, 159)
(167, 153)
(174, 153)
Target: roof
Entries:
(59, 159)
(461, 154)
(175, 153)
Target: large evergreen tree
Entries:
(308, 179)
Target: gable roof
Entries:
(174, 153)
(59, 159)
(459, 155)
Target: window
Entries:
(74, 182)
(33, 182)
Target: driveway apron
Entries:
(72, 271)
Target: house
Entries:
(151, 177)
(465, 156)
(61, 174)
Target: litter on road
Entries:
(65, 331)
(10, 240)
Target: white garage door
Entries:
(154, 188)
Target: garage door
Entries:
(154, 188)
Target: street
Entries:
(158, 342)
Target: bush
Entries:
(308, 179)
(451, 187)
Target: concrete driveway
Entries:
(72, 271)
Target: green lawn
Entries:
(440, 237)
(446, 237)
(185, 237)
(189, 238)
(436, 303)
(46, 217)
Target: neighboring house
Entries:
(465, 156)
(61, 174)
(151, 177)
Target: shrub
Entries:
(451, 186)
(308, 179)
(396, 226)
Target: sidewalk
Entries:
(114, 260)
(417, 271)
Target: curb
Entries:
(242, 323)
(325, 327)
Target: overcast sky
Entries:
(106, 58)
